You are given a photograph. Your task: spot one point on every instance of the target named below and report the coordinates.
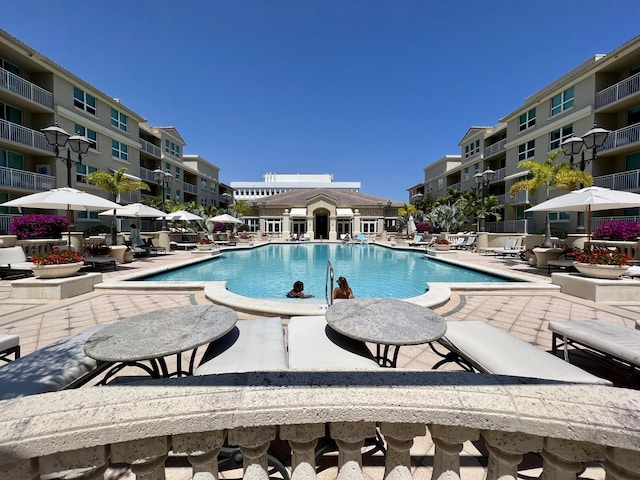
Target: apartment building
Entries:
(275, 183)
(36, 93)
(602, 91)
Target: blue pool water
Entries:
(372, 271)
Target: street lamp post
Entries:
(163, 179)
(592, 140)
(58, 139)
(483, 180)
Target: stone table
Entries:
(386, 322)
(155, 335)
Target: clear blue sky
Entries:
(368, 90)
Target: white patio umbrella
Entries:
(181, 215)
(136, 210)
(411, 225)
(225, 218)
(589, 200)
(64, 198)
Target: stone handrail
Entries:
(77, 433)
(632, 249)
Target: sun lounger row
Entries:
(13, 263)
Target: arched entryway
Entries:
(321, 224)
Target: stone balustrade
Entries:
(77, 433)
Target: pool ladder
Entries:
(328, 284)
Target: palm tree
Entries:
(446, 218)
(547, 175)
(404, 212)
(117, 184)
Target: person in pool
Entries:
(343, 290)
(298, 291)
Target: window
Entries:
(466, 173)
(11, 159)
(178, 198)
(472, 148)
(177, 173)
(526, 150)
(119, 150)
(440, 183)
(90, 134)
(273, 225)
(253, 224)
(118, 120)
(82, 171)
(429, 187)
(213, 187)
(558, 216)
(9, 67)
(562, 101)
(84, 101)
(528, 120)
(558, 136)
(171, 148)
(203, 183)
(82, 215)
(369, 225)
(11, 114)
(476, 168)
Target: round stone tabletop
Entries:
(160, 333)
(385, 321)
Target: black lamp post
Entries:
(483, 180)
(163, 179)
(592, 140)
(58, 139)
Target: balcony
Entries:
(78, 433)
(628, 137)
(13, 178)
(150, 148)
(190, 188)
(629, 180)
(495, 148)
(23, 136)
(625, 88)
(27, 90)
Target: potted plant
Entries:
(600, 263)
(57, 263)
(205, 243)
(99, 250)
(442, 244)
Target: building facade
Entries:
(36, 93)
(603, 91)
(275, 183)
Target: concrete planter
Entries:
(205, 246)
(441, 247)
(609, 272)
(56, 271)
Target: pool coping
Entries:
(438, 293)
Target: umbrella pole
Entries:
(69, 227)
(589, 226)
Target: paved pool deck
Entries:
(524, 313)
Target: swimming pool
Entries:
(269, 271)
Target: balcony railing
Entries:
(78, 433)
(190, 188)
(24, 136)
(622, 137)
(629, 180)
(150, 148)
(620, 90)
(495, 148)
(28, 90)
(23, 180)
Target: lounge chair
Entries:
(515, 249)
(415, 241)
(470, 243)
(362, 238)
(509, 244)
(458, 243)
(14, 264)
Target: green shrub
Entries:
(96, 230)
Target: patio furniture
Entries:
(606, 338)
(362, 238)
(480, 347)
(150, 337)
(387, 323)
(9, 345)
(252, 345)
(314, 345)
(512, 247)
(14, 264)
(509, 244)
(97, 262)
(58, 366)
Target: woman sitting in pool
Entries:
(298, 291)
(343, 290)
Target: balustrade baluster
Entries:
(506, 450)
(146, 456)
(350, 438)
(399, 438)
(303, 440)
(563, 458)
(202, 450)
(448, 445)
(254, 443)
(622, 464)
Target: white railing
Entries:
(189, 188)
(622, 137)
(26, 89)
(620, 90)
(629, 180)
(24, 136)
(78, 433)
(495, 148)
(499, 175)
(21, 179)
(150, 148)
(147, 175)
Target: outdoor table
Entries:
(386, 322)
(152, 336)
